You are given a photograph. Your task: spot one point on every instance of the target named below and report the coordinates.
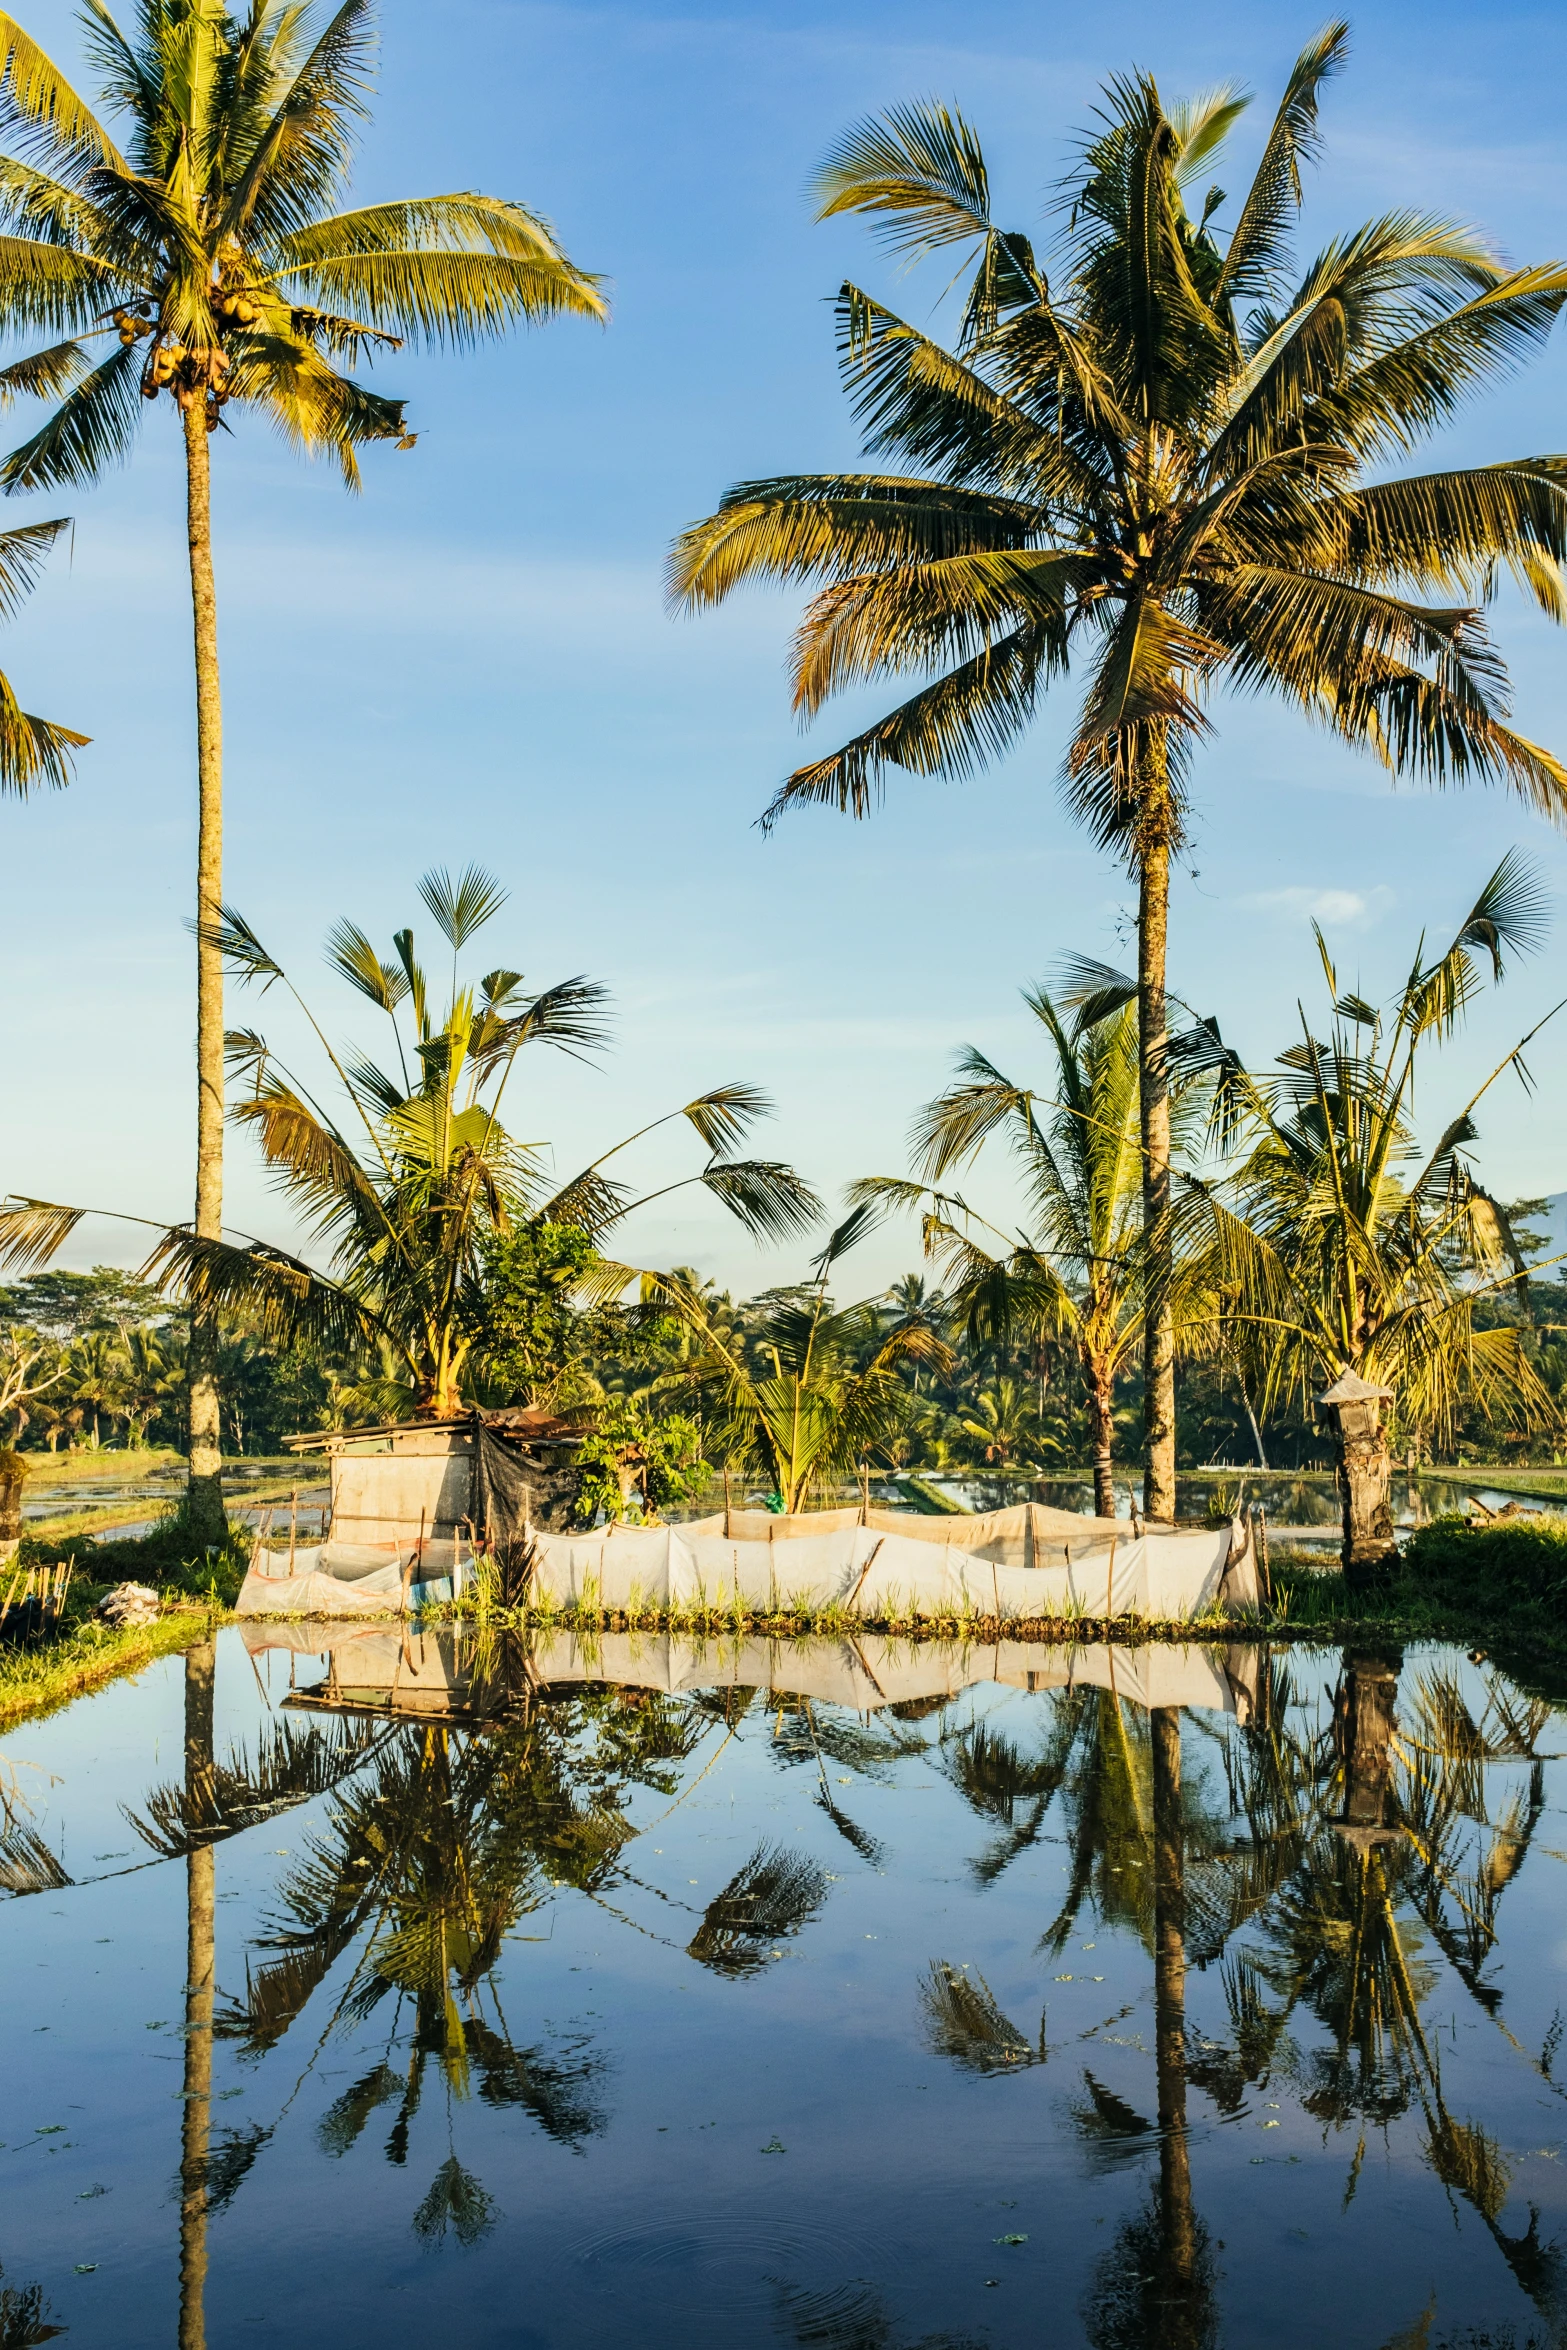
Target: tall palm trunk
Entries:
(1178, 2232)
(206, 1433)
(1153, 920)
(1101, 1422)
(196, 2108)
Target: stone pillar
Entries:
(1352, 1410)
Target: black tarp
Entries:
(503, 1491)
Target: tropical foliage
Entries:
(201, 255)
(33, 751)
(1160, 462)
(1340, 1242)
(819, 1393)
(414, 1180)
(1076, 1276)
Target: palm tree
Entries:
(416, 1180)
(817, 1392)
(1151, 463)
(1350, 1249)
(1005, 1429)
(1077, 1273)
(209, 258)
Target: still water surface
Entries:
(1182, 1998)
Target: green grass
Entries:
(1541, 1484)
(196, 1587)
(36, 1681)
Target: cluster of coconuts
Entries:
(131, 327)
(237, 307)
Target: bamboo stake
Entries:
(864, 1571)
(1110, 1582)
(293, 1523)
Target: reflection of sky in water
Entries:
(758, 2057)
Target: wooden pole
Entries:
(293, 1524)
(416, 1561)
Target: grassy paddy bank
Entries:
(37, 1681)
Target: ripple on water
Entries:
(727, 2267)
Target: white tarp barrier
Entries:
(349, 1579)
(883, 1575)
(878, 1571)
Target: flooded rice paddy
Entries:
(866, 1997)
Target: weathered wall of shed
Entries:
(381, 1496)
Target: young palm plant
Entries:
(414, 1178)
(1349, 1248)
(817, 1391)
(1078, 1274)
(208, 255)
(1150, 465)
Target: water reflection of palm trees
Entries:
(24, 2317)
(1338, 1856)
(439, 1843)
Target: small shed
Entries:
(450, 1479)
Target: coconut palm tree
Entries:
(817, 1391)
(1004, 1427)
(413, 1180)
(1077, 1273)
(1351, 1249)
(1151, 464)
(208, 256)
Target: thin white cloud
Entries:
(1335, 909)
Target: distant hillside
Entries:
(1554, 1229)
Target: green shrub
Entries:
(1522, 1563)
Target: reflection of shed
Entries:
(433, 1676)
(392, 1484)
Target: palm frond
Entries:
(45, 372)
(34, 1230)
(37, 100)
(951, 728)
(241, 949)
(351, 955)
(918, 170)
(33, 751)
(724, 1116)
(281, 1296)
(94, 427)
(768, 1198)
(462, 906)
(443, 270)
(1258, 242)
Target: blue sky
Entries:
(472, 660)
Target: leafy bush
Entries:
(1521, 1563)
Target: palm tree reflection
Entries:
(439, 1843)
(1340, 1856)
(24, 2318)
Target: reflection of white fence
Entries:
(430, 1671)
(875, 1565)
